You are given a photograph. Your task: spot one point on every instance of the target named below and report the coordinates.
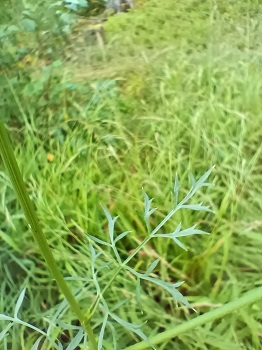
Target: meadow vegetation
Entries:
(172, 87)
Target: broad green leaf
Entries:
(28, 25)
(12, 29)
(66, 18)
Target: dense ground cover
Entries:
(176, 88)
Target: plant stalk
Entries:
(247, 299)
(11, 165)
(90, 312)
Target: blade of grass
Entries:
(247, 299)
(30, 214)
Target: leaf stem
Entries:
(90, 312)
(10, 163)
(247, 299)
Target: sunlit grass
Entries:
(187, 112)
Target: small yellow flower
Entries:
(50, 157)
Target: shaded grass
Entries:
(193, 111)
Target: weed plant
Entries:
(99, 302)
(164, 101)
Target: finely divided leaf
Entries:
(198, 206)
(177, 233)
(138, 292)
(93, 252)
(131, 327)
(190, 231)
(152, 267)
(76, 340)
(119, 304)
(5, 318)
(180, 244)
(4, 332)
(122, 235)
(19, 302)
(148, 211)
(201, 182)
(37, 343)
(196, 185)
(169, 287)
(97, 240)
(176, 190)
(193, 181)
(102, 331)
(103, 266)
(111, 224)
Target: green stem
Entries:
(90, 312)
(248, 298)
(17, 180)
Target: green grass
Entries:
(179, 106)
